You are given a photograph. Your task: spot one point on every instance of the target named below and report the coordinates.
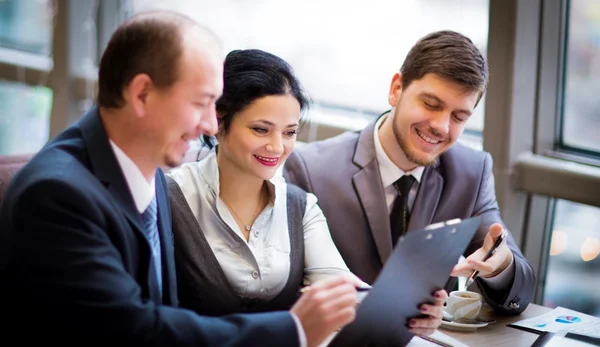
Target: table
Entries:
(498, 334)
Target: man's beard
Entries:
(405, 147)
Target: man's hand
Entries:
(327, 306)
(427, 325)
(491, 267)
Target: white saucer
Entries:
(462, 326)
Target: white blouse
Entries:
(259, 267)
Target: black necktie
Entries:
(400, 216)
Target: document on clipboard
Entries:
(419, 265)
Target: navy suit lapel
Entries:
(369, 188)
(166, 238)
(428, 198)
(104, 165)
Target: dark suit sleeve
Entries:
(64, 256)
(519, 292)
(295, 172)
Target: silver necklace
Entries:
(248, 227)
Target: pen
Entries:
(358, 289)
(486, 257)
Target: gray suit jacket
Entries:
(343, 173)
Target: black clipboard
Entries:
(566, 339)
(419, 265)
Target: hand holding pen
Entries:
(489, 260)
(487, 256)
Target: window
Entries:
(25, 42)
(573, 269)
(24, 117)
(26, 25)
(345, 53)
(581, 109)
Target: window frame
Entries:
(531, 166)
(62, 71)
(562, 149)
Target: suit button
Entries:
(254, 274)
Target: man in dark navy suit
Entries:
(86, 254)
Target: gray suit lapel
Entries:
(367, 183)
(372, 198)
(428, 197)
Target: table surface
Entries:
(498, 334)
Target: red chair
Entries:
(9, 165)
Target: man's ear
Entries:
(395, 89)
(136, 93)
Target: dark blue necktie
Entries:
(151, 230)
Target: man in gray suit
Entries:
(404, 171)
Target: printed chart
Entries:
(563, 319)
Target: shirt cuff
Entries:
(503, 279)
(301, 334)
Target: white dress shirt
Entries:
(390, 173)
(259, 267)
(141, 190)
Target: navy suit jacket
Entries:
(75, 266)
(343, 172)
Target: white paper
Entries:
(563, 319)
(419, 342)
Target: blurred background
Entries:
(540, 119)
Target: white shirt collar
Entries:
(390, 173)
(141, 190)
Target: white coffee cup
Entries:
(463, 304)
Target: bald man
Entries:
(86, 252)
